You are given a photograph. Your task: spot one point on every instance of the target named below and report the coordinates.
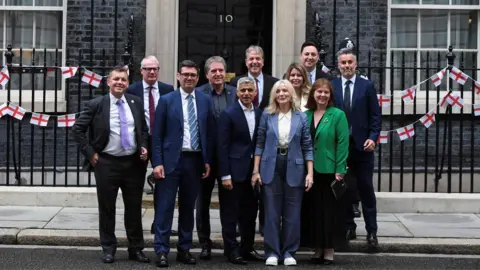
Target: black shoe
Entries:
(356, 211)
(372, 240)
(108, 258)
(236, 258)
(185, 257)
(138, 256)
(206, 253)
(350, 235)
(253, 256)
(162, 260)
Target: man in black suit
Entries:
(149, 90)
(117, 152)
(309, 57)
(222, 96)
(264, 83)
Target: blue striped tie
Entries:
(192, 123)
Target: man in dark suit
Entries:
(117, 151)
(358, 99)
(181, 144)
(236, 146)
(222, 96)
(309, 57)
(263, 82)
(149, 90)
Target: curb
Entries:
(465, 246)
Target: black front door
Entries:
(226, 28)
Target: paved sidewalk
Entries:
(405, 232)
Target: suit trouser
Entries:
(202, 206)
(238, 205)
(186, 179)
(112, 173)
(361, 167)
(283, 207)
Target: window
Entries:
(39, 25)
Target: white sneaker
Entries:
(271, 261)
(289, 261)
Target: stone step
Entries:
(147, 201)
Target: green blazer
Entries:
(330, 145)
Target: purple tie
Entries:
(123, 125)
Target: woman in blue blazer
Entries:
(284, 166)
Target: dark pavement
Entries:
(37, 257)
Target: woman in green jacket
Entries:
(330, 139)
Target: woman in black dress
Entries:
(322, 214)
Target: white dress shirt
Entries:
(146, 99)
(260, 85)
(186, 128)
(351, 88)
(284, 122)
(250, 117)
(114, 145)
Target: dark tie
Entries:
(193, 124)
(123, 125)
(255, 99)
(346, 100)
(151, 108)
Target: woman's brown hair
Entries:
(311, 103)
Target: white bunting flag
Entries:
(457, 75)
(476, 86)
(91, 78)
(39, 119)
(325, 69)
(383, 101)
(4, 76)
(476, 109)
(455, 100)
(16, 111)
(428, 119)
(4, 109)
(128, 71)
(383, 138)
(68, 72)
(437, 78)
(406, 132)
(408, 94)
(66, 120)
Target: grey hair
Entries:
(150, 57)
(215, 59)
(254, 48)
(345, 52)
(245, 80)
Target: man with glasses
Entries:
(182, 142)
(149, 90)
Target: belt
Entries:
(283, 151)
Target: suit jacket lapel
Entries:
(339, 93)
(355, 93)
(324, 121)
(273, 119)
(293, 125)
(243, 123)
(134, 111)
(106, 111)
(178, 107)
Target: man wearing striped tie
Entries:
(182, 143)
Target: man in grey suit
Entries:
(222, 96)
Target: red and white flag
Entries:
(406, 132)
(66, 120)
(325, 69)
(476, 109)
(92, 78)
(437, 78)
(39, 119)
(383, 138)
(428, 119)
(68, 72)
(409, 94)
(476, 86)
(128, 71)
(4, 76)
(383, 101)
(16, 111)
(455, 100)
(457, 75)
(4, 109)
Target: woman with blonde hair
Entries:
(297, 75)
(283, 165)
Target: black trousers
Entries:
(125, 173)
(202, 205)
(238, 205)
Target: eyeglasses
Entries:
(186, 75)
(150, 69)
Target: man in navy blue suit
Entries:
(236, 146)
(182, 146)
(222, 96)
(149, 90)
(358, 99)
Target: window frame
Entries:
(38, 103)
(421, 100)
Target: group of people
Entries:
(279, 148)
